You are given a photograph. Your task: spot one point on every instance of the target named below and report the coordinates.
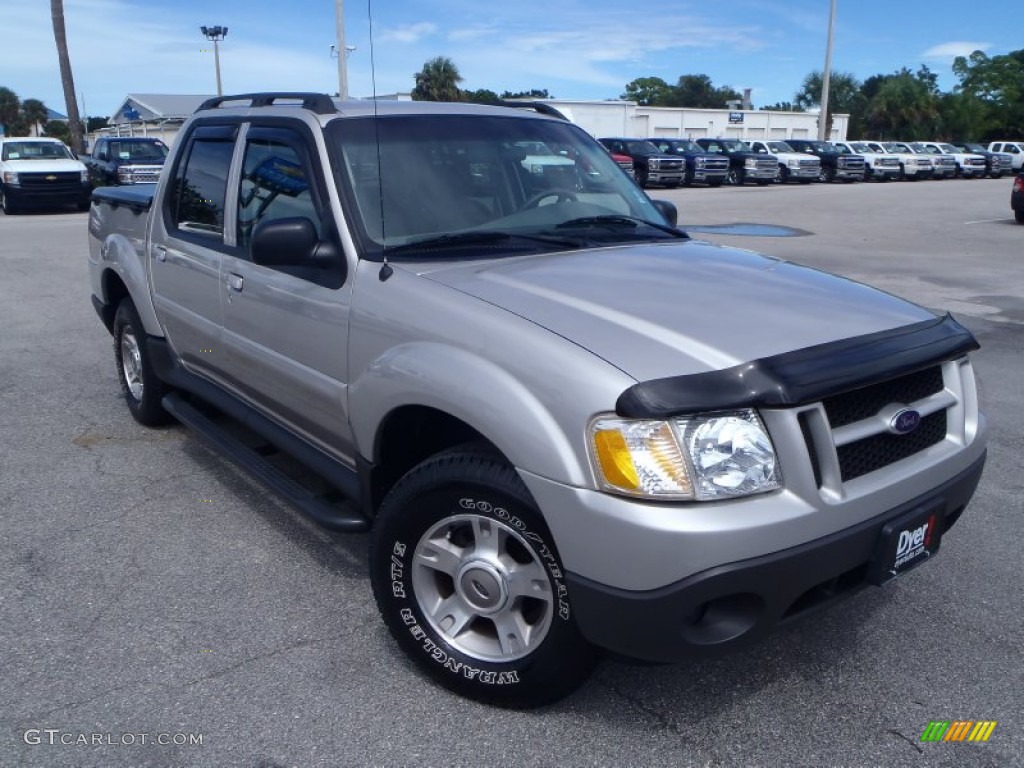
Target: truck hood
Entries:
(674, 309)
(43, 166)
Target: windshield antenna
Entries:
(386, 270)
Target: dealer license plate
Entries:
(905, 543)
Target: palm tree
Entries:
(66, 78)
(10, 107)
(844, 96)
(35, 114)
(438, 81)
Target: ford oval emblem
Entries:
(904, 421)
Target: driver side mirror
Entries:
(668, 210)
(289, 242)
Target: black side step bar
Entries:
(333, 516)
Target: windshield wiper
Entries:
(618, 221)
(478, 237)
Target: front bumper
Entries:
(811, 172)
(728, 606)
(56, 194)
(850, 173)
(758, 173)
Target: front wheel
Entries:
(826, 175)
(142, 390)
(7, 205)
(468, 581)
(736, 177)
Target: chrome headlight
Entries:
(85, 176)
(124, 175)
(793, 163)
(11, 177)
(653, 163)
(702, 457)
(751, 162)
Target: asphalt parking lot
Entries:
(153, 593)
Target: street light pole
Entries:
(342, 63)
(216, 34)
(826, 76)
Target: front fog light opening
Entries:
(731, 455)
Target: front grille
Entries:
(808, 163)
(851, 162)
(58, 178)
(864, 403)
(889, 162)
(866, 444)
(716, 164)
(766, 165)
(881, 450)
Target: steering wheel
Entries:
(561, 195)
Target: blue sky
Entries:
(575, 49)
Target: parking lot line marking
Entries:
(986, 221)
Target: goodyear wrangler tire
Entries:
(468, 581)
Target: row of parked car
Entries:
(44, 171)
(675, 162)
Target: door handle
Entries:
(161, 252)
(234, 282)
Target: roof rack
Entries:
(318, 103)
(538, 106)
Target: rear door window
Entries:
(197, 200)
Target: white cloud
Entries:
(410, 33)
(953, 49)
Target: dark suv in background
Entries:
(834, 164)
(744, 164)
(650, 165)
(701, 166)
(125, 160)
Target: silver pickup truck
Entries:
(567, 425)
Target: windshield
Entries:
(463, 185)
(138, 151)
(842, 149)
(949, 148)
(726, 145)
(898, 148)
(820, 146)
(779, 146)
(36, 150)
(862, 148)
(926, 150)
(974, 147)
(678, 146)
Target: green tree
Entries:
(904, 107)
(438, 81)
(481, 96)
(698, 92)
(10, 108)
(58, 129)
(844, 97)
(34, 112)
(66, 78)
(648, 92)
(783, 106)
(95, 124)
(533, 93)
(997, 83)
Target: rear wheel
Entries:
(468, 581)
(142, 390)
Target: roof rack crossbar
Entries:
(537, 106)
(318, 103)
